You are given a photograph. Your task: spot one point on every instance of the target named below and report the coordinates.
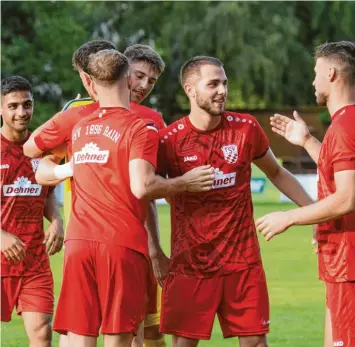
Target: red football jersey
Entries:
(59, 129)
(22, 207)
(336, 239)
(213, 233)
(104, 208)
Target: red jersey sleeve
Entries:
(342, 148)
(260, 141)
(56, 130)
(144, 144)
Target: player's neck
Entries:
(13, 135)
(114, 97)
(202, 120)
(340, 98)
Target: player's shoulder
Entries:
(343, 121)
(147, 114)
(174, 130)
(236, 118)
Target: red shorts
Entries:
(240, 299)
(340, 298)
(104, 288)
(32, 293)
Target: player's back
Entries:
(213, 233)
(104, 208)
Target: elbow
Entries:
(27, 150)
(139, 190)
(348, 206)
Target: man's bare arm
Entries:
(145, 184)
(283, 179)
(47, 171)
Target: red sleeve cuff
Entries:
(345, 164)
(262, 154)
(39, 143)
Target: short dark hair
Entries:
(194, 64)
(342, 53)
(108, 66)
(15, 83)
(80, 58)
(144, 53)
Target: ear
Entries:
(86, 79)
(189, 90)
(332, 74)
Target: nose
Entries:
(144, 83)
(21, 111)
(222, 89)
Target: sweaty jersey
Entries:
(336, 238)
(22, 207)
(213, 233)
(104, 208)
(57, 131)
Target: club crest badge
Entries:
(230, 153)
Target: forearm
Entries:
(51, 209)
(152, 226)
(312, 146)
(46, 171)
(332, 207)
(289, 185)
(157, 187)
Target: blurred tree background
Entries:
(267, 47)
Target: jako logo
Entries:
(91, 154)
(338, 343)
(4, 166)
(222, 180)
(22, 187)
(192, 158)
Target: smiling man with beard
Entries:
(215, 265)
(334, 85)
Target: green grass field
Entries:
(296, 294)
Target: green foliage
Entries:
(266, 47)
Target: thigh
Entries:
(122, 275)
(36, 294)
(10, 288)
(341, 304)
(189, 306)
(244, 310)
(78, 309)
(154, 298)
(37, 326)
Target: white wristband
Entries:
(63, 171)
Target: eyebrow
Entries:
(218, 80)
(24, 102)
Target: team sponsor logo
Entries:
(222, 180)
(4, 166)
(22, 187)
(34, 163)
(190, 158)
(91, 153)
(230, 153)
(338, 343)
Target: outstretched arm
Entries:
(334, 206)
(49, 173)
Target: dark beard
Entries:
(208, 107)
(322, 99)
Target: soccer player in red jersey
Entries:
(26, 278)
(335, 211)
(114, 158)
(145, 68)
(215, 264)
